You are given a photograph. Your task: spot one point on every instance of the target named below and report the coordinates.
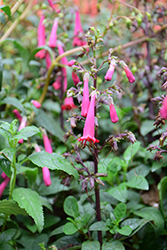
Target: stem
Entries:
(97, 193)
(13, 178)
(14, 24)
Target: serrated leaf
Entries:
(30, 201)
(5, 134)
(114, 245)
(131, 151)
(138, 182)
(48, 122)
(6, 9)
(71, 206)
(9, 207)
(125, 230)
(152, 214)
(13, 101)
(69, 228)
(8, 153)
(162, 187)
(27, 132)
(120, 211)
(53, 161)
(90, 245)
(119, 192)
(99, 226)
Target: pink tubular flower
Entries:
(65, 62)
(129, 74)
(163, 110)
(48, 60)
(113, 114)
(3, 185)
(53, 35)
(47, 145)
(110, 72)
(3, 175)
(89, 128)
(17, 114)
(57, 84)
(71, 63)
(36, 104)
(78, 29)
(45, 170)
(51, 4)
(22, 125)
(85, 101)
(41, 38)
(75, 78)
(68, 104)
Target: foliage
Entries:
(103, 190)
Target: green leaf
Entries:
(99, 226)
(120, 211)
(119, 192)
(152, 214)
(58, 230)
(31, 173)
(6, 167)
(142, 170)
(135, 224)
(27, 132)
(71, 206)
(131, 151)
(5, 134)
(53, 161)
(90, 245)
(162, 187)
(146, 127)
(45, 47)
(24, 53)
(54, 188)
(138, 182)
(69, 228)
(1, 72)
(49, 123)
(6, 237)
(30, 201)
(114, 245)
(13, 101)
(45, 202)
(8, 153)
(51, 220)
(6, 9)
(9, 207)
(125, 230)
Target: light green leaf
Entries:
(90, 245)
(120, 211)
(31, 173)
(58, 230)
(153, 214)
(131, 151)
(69, 228)
(71, 206)
(8, 153)
(27, 132)
(51, 220)
(99, 226)
(142, 170)
(125, 230)
(53, 161)
(9, 207)
(162, 187)
(114, 245)
(46, 203)
(30, 201)
(138, 182)
(13, 101)
(5, 134)
(49, 123)
(119, 192)
(133, 223)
